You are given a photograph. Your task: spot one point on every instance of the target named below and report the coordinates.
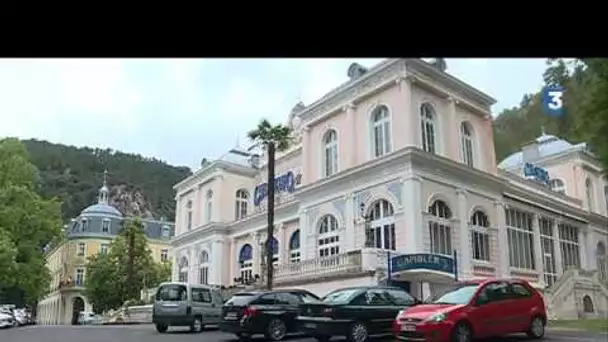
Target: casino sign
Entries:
(286, 182)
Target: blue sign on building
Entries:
(553, 100)
(536, 173)
(284, 183)
(427, 261)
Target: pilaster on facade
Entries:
(538, 256)
(464, 253)
(557, 250)
(303, 226)
(412, 120)
(351, 213)
(582, 246)
(351, 118)
(412, 198)
(501, 225)
(217, 258)
(257, 251)
(306, 167)
(452, 151)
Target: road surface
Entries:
(146, 333)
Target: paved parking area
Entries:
(146, 333)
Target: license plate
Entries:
(310, 325)
(409, 327)
(230, 316)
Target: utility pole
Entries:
(270, 228)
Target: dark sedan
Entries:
(356, 312)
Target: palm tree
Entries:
(271, 138)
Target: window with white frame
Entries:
(294, 247)
(242, 200)
(381, 131)
(602, 261)
(183, 270)
(427, 121)
(209, 207)
(103, 248)
(166, 231)
(82, 248)
(380, 232)
(466, 143)
(569, 244)
(328, 238)
(246, 263)
(330, 153)
(440, 230)
(105, 226)
(480, 237)
(203, 271)
(85, 225)
(79, 279)
(589, 193)
(164, 255)
(520, 239)
(189, 215)
(557, 185)
(545, 226)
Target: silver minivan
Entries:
(186, 305)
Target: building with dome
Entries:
(392, 177)
(88, 234)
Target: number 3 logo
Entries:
(555, 101)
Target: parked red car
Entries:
(475, 309)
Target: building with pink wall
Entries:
(398, 164)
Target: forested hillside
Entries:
(75, 175)
(519, 125)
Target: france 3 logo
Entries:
(553, 100)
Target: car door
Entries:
(381, 311)
(197, 303)
(490, 313)
(290, 303)
(215, 311)
(522, 306)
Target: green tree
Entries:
(28, 224)
(271, 138)
(125, 270)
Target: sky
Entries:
(183, 110)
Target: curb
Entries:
(123, 323)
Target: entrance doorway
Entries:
(77, 307)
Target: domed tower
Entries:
(103, 206)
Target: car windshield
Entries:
(172, 293)
(241, 299)
(340, 296)
(460, 294)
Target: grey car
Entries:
(190, 305)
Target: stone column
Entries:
(306, 167)
(283, 243)
(232, 261)
(412, 199)
(501, 225)
(582, 248)
(304, 234)
(412, 118)
(351, 216)
(192, 266)
(175, 268)
(538, 257)
(350, 149)
(257, 253)
(464, 252)
(450, 130)
(591, 244)
(217, 257)
(557, 250)
(179, 225)
(218, 197)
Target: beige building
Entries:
(88, 234)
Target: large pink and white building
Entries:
(400, 158)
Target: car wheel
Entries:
(462, 333)
(322, 338)
(162, 328)
(196, 326)
(243, 336)
(537, 328)
(358, 333)
(276, 330)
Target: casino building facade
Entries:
(392, 177)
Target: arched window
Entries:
(557, 185)
(381, 230)
(589, 193)
(588, 305)
(330, 149)
(209, 206)
(246, 262)
(203, 275)
(183, 270)
(294, 247)
(602, 261)
(274, 245)
(328, 239)
(381, 131)
(427, 120)
(440, 228)
(189, 215)
(466, 143)
(480, 237)
(242, 199)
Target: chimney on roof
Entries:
(356, 70)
